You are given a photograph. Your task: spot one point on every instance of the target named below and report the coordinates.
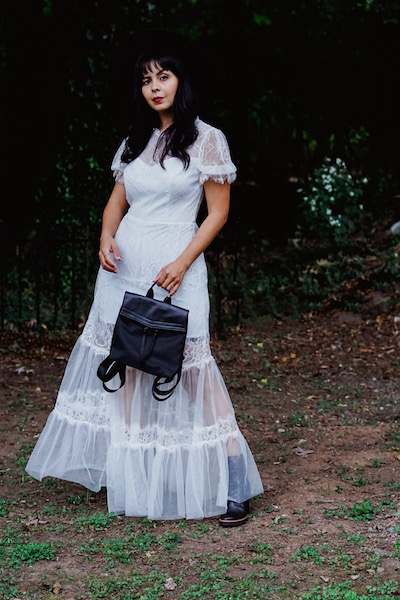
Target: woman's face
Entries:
(159, 88)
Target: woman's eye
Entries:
(145, 81)
(163, 77)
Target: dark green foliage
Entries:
(289, 86)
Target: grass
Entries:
(361, 511)
(343, 591)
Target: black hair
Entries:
(177, 138)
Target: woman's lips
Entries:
(158, 99)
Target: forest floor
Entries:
(318, 399)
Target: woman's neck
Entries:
(166, 121)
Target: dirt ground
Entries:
(317, 398)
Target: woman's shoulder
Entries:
(205, 129)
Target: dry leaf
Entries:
(354, 577)
(170, 584)
(57, 589)
(34, 521)
(300, 452)
(326, 579)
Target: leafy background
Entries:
(291, 83)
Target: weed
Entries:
(362, 511)
(343, 591)
(136, 585)
(32, 552)
(376, 463)
(298, 419)
(116, 549)
(96, 521)
(394, 486)
(263, 553)
(170, 540)
(50, 509)
(359, 482)
(8, 589)
(4, 508)
(358, 540)
(308, 554)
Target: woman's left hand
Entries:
(170, 277)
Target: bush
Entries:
(331, 202)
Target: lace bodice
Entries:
(173, 194)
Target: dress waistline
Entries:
(152, 222)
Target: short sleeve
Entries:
(215, 158)
(117, 166)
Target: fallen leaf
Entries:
(57, 589)
(354, 577)
(265, 524)
(300, 452)
(34, 521)
(170, 584)
(326, 579)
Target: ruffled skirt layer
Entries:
(163, 460)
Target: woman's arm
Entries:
(217, 198)
(115, 209)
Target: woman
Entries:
(185, 457)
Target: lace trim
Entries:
(91, 408)
(155, 436)
(227, 178)
(197, 352)
(118, 176)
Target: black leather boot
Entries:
(236, 514)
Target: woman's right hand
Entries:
(108, 246)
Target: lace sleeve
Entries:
(117, 166)
(215, 159)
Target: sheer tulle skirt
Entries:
(163, 460)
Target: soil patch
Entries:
(317, 398)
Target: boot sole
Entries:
(233, 522)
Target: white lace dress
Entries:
(163, 460)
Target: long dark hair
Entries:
(175, 140)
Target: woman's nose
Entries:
(154, 86)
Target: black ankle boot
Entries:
(236, 514)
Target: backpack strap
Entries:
(159, 394)
(108, 368)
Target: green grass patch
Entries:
(96, 521)
(361, 511)
(344, 591)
